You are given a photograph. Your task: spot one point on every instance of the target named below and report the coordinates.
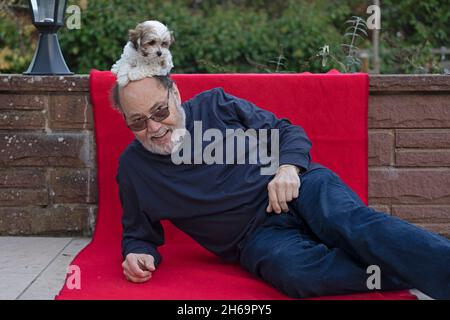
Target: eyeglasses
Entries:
(140, 123)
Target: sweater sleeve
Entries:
(294, 143)
(140, 234)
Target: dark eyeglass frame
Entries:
(141, 124)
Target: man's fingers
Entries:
(296, 192)
(282, 199)
(132, 277)
(135, 279)
(130, 271)
(290, 192)
(273, 199)
(149, 262)
(282, 189)
(133, 267)
(275, 207)
(293, 191)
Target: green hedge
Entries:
(238, 35)
(210, 38)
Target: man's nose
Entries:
(153, 126)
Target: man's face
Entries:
(142, 98)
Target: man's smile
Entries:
(161, 136)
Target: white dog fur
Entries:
(146, 53)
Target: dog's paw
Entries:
(137, 73)
(122, 80)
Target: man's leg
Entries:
(281, 253)
(338, 217)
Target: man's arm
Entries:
(294, 143)
(140, 238)
(294, 156)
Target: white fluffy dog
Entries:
(146, 53)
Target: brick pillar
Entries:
(47, 156)
(409, 149)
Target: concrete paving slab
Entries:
(48, 284)
(22, 259)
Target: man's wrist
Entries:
(289, 166)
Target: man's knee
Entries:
(312, 191)
(295, 272)
(301, 282)
(319, 176)
(323, 186)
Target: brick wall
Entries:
(409, 149)
(47, 164)
(47, 153)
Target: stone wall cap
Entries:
(18, 82)
(80, 83)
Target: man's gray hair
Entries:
(165, 81)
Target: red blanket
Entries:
(332, 108)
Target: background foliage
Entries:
(236, 35)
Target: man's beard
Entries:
(178, 131)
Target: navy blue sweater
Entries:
(216, 204)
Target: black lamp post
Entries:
(48, 17)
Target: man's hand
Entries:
(135, 263)
(283, 188)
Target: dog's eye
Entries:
(165, 44)
(152, 42)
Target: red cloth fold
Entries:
(332, 108)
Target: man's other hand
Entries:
(283, 188)
(138, 267)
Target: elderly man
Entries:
(301, 229)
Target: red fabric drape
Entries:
(332, 108)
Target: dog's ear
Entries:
(134, 36)
(172, 38)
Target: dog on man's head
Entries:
(147, 53)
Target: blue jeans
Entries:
(329, 237)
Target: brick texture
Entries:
(22, 120)
(409, 111)
(422, 158)
(381, 147)
(423, 138)
(20, 101)
(23, 177)
(55, 220)
(409, 149)
(20, 197)
(47, 156)
(73, 185)
(47, 84)
(409, 186)
(70, 112)
(431, 214)
(35, 149)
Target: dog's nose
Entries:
(159, 53)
